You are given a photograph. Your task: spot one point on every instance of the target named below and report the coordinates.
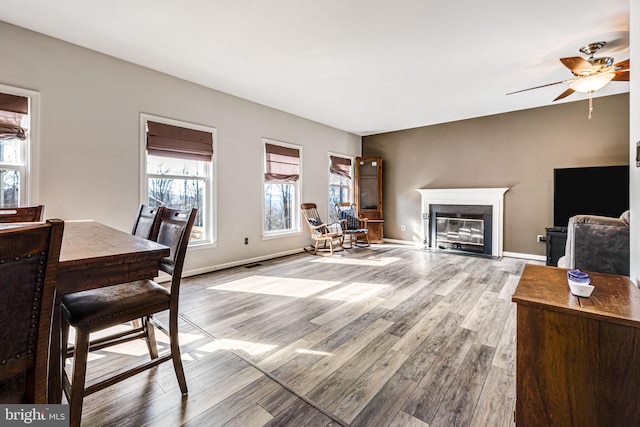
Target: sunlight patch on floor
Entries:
(370, 262)
(313, 352)
(356, 292)
(136, 347)
(252, 348)
(272, 285)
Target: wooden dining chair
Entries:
(146, 222)
(29, 258)
(25, 214)
(95, 310)
(145, 225)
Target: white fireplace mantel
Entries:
(493, 197)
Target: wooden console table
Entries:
(578, 359)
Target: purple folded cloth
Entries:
(578, 276)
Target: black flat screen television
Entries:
(598, 190)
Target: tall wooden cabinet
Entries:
(368, 190)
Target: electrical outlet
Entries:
(541, 238)
(246, 240)
(402, 228)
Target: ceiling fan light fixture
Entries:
(592, 83)
(601, 62)
(591, 48)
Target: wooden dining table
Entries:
(95, 255)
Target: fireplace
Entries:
(463, 220)
(464, 228)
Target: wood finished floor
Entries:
(381, 336)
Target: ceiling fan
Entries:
(590, 74)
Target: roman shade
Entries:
(282, 163)
(340, 166)
(175, 141)
(12, 108)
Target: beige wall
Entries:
(89, 146)
(518, 150)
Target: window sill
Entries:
(281, 234)
(200, 246)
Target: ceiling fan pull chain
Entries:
(590, 104)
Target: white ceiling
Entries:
(363, 66)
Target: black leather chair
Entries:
(146, 222)
(95, 310)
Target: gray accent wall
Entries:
(518, 150)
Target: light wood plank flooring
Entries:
(380, 336)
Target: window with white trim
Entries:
(281, 188)
(340, 182)
(14, 146)
(178, 163)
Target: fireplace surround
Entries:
(486, 204)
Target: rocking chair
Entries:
(354, 228)
(328, 234)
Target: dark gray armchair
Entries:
(598, 243)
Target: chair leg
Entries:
(348, 238)
(150, 337)
(175, 351)
(76, 393)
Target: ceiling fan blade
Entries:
(621, 76)
(565, 94)
(537, 87)
(624, 65)
(578, 66)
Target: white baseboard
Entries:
(402, 242)
(525, 256)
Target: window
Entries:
(339, 182)
(281, 188)
(14, 145)
(178, 164)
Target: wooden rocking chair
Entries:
(354, 228)
(327, 234)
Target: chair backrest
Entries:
(25, 214)
(29, 258)
(312, 216)
(347, 211)
(174, 229)
(146, 222)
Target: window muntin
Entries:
(281, 189)
(181, 183)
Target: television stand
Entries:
(556, 242)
